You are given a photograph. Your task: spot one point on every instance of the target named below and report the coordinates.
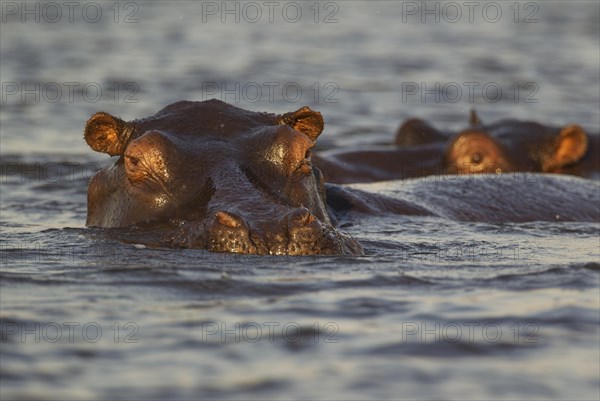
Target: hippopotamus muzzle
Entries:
(297, 233)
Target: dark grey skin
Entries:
(212, 176)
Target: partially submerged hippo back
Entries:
(210, 175)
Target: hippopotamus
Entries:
(216, 177)
(508, 146)
(212, 176)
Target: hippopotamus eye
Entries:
(146, 158)
(476, 158)
(134, 168)
(133, 160)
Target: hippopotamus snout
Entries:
(296, 233)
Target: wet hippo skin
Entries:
(212, 176)
(378, 163)
(491, 198)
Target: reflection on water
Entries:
(437, 309)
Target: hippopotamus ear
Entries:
(305, 120)
(417, 132)
(571, 145)
(107, 134)
(474, 120)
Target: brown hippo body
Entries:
(212, 176)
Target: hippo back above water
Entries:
(216, 177)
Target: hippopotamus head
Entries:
(511, 146)
(213, 176)
(505, 146)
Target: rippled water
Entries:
(437, 309)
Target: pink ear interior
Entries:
(571, 146)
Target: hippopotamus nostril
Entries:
(228, 219)
(300, 217)
(304, 230)
(228, 232)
